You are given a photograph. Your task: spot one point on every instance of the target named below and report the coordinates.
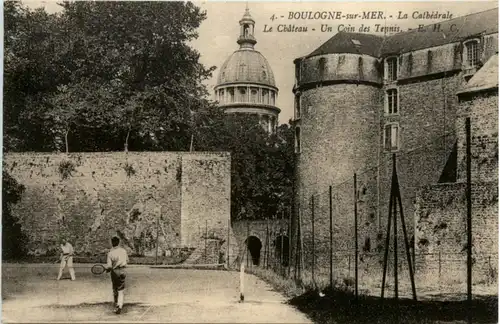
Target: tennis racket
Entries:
(98, 269)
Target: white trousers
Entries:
(66, 261)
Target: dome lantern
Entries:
(247, 29)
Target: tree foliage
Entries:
(262, 164)
(102, 68)
(13, 239)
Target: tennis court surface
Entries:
(31, 293)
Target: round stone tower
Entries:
(337, 128)
(245, 84)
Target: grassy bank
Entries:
(338, 305)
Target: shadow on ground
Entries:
(91, 305)
(340, 307)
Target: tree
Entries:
(106, 62)
(13, 239)
(262, 165)
(30, 69)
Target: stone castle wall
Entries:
(330, 154)
(335, 144)
(441, 232)
(483, 110)
(89, 197)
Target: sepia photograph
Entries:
(250, 162)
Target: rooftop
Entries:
(484, 79)
(450, 31)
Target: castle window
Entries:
(367, 245)
(273, 98)
(298, 148)
(231, 94)
(429, 60)
(297, 73)
(391, 137)
(221, 95)
(297, 106)
(391, 69)
(360, 68)
(264, 75)
(321, 67)
(409, 66)
(391, 102)
(471, 54)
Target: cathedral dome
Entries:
(246, 84)
(246, 66)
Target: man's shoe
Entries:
(118, 310)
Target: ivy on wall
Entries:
(66, 169)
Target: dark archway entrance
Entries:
(282, 246)
(254, 246)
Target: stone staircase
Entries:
(212, 252)
(216, 252)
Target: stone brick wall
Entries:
(483, 110)
(137, 196)
(340, 67)
(427, 114)
(441, 236)
(339, 134)
(206, 193)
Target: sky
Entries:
(218, 33)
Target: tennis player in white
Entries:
(67, 253)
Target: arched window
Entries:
(265, 96)
(243, 95)
(221, 96)
(253, 95)
(264, 75)
(245, 30)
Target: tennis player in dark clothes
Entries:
(117, 262)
